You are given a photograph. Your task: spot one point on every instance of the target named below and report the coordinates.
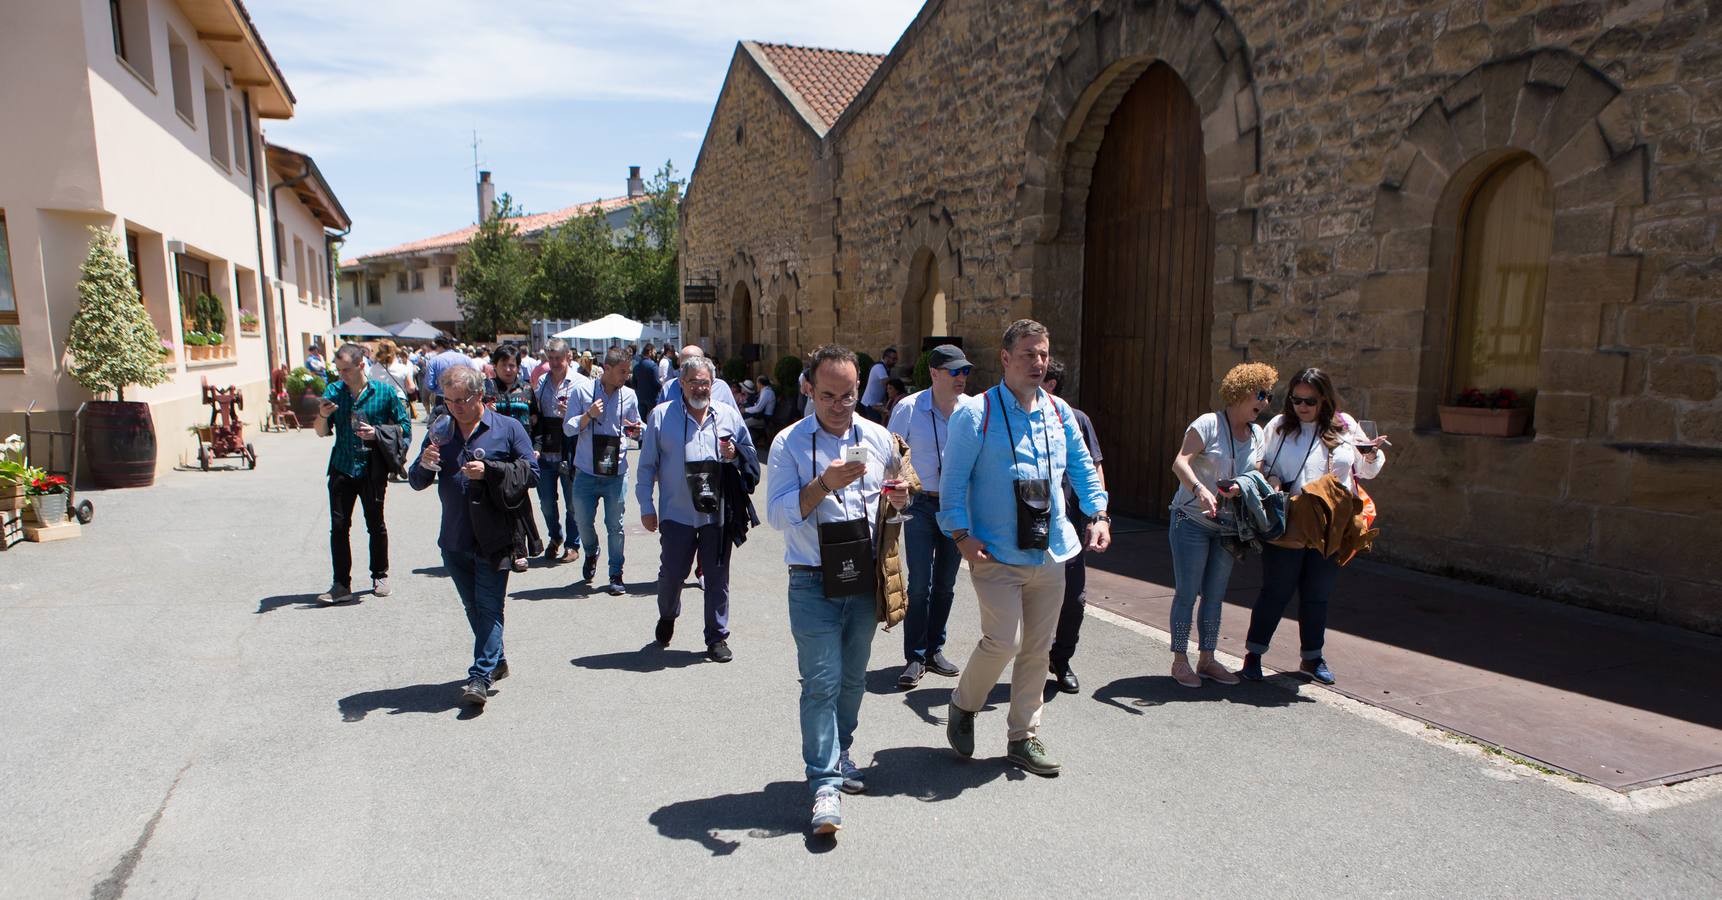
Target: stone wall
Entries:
(745, 215)
(1342, 140)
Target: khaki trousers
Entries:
(1013, 599)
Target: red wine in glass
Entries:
(897, 516)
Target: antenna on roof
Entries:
(475, 154)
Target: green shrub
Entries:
(211, 318)
(300, 379)
(786, 373)
(923, 377)
(215, 338)
(194, 339)
(735, 370)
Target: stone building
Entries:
(1419, 196)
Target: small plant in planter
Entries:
(47, 497)
(248, 321)
(1497, 414)
(15, 473)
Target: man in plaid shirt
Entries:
(352, 408)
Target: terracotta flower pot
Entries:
(1486, 422)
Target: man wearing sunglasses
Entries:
(923, 419)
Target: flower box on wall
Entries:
(1483, 421)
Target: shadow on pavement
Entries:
(579, 590)
(783, 807)
(433, 571)
(926, 700)
(650, 658)
(1137, 691)
(306, 601)
(415, 698)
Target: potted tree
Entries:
(1499, 414)
(113, 346)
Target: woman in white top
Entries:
(1217, 447)
(391, 368)
(1308, 439)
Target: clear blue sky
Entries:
(564, 95)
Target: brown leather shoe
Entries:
(1215, 672)
(572, 555)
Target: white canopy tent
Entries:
(601, 333)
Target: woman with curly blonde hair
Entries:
(1217, 447)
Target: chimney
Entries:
(636, 186)
(486, 197)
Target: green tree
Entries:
(113, 343)
(494, 276)
(575, 276)
(649, 252)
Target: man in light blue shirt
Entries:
(607, 409)
(923, 420)
(1004, 506)
(720, 391)
(686, 443)
(446, 358)
(827, 508)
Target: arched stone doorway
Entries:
(740, 320)
(1147, 300)
(924, 308)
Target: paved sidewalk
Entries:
(1621, 702)
(185, 722)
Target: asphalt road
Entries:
(184, 721)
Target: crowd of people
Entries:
(881, 495)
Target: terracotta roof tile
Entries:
(528, 225)
(829, 80)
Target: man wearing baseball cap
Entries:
(923, 420)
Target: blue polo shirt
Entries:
(503, 439)
(977, 487)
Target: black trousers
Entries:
(1075, 602)
(343, 490)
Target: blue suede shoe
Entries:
(1252, 669)
(1317, 669)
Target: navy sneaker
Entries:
(1252, 669)
(1317, 670)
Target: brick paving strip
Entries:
(1616, 701)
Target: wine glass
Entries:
(440, 433)
(1371, 433)
(897, 516)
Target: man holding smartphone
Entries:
(829, 473)
(1003, 505)
(351, 409)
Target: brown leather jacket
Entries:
(891, 592)
(1325, 517)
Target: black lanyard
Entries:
(1297, 478)
(611, 402)
(841, 494)
(933, 420)
(717, 454)
(1045, 441)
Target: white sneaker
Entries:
(854, 780)
(380, 587)
(827, 811)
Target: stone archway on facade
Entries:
(1205, 86)
(1569, 117)
(928, 268)
(778, 311)
(739, 291)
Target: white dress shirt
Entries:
(927, 431)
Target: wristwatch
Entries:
(1102, 517)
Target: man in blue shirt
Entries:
(827, 507)
(457, 459)
(607, 408)
(550, 400)
(351, 409)
(923, 420)
(646, 383)
(446, 358)
(686, 442)
(1003, 506)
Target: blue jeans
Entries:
(482, 588)
(933, 560)
(588, 489)
(548, 480)
(1285, 572)
(1200, 564)
(833, 639)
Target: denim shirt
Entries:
(502, 438)
(672, 438)
(977, 489)
(619, 408)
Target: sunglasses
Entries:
(957, 373)
(1263, 396)
(1305, 401)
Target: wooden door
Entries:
(1147, 301)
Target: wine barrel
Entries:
(119, 443)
